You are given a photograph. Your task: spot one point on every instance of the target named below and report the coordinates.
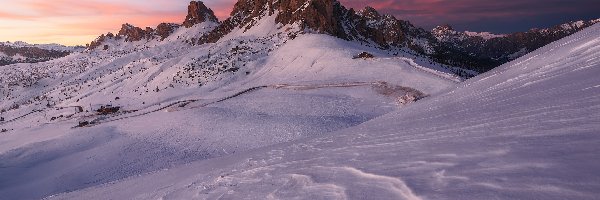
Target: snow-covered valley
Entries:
(274, 111)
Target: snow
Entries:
(18, 57)
(484, 35)
(300, 119)
(279, 94)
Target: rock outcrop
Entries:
(198, 13)
(326, 17)
(474, 51)
(318, 15)
(164, 30)
(132, 33)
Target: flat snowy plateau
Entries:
(314, 124)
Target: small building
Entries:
(108, 109)
(364, 55)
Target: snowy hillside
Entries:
(179, 103)
(527, 130)
(269, 105)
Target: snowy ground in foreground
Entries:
(527, 130)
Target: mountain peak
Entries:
(445, 27)
(369, 12)
(322, 16)
(198, 13)
(132, 33)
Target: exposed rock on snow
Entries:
(164, 30)
(198, 13)
(467, 51)
(132, 33)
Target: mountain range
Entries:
(474, 51)
(21, 52)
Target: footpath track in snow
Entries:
(440, 74)
(184, 103)
(20, 117)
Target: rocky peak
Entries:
(323, 16)
(132, 33)
(326, 17)
(198, 13)
(369, 12)
(443, 29)
(316, 14)
(164, 30)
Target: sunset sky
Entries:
(77, 22)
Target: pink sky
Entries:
(77, 22)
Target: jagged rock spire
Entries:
(198, 13)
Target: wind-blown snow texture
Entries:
(526, 130)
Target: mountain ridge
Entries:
(22, 52)
(487, 50)
(467, 50)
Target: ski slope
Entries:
(526, 130)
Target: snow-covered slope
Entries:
(527, 130)
(275, 110)
(181, 103)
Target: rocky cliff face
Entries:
(387, 31)
(323, 16)
(132, 33)
(327, 17)
(197, 13)
(164, 30)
